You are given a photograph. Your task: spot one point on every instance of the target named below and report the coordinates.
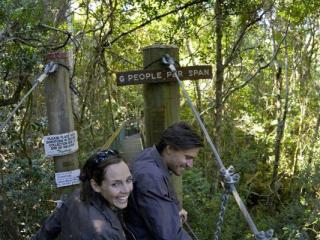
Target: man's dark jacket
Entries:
(153, 209)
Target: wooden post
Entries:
(161, 101)
(59, 109)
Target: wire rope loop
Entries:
(168, 60)
(150, 64)
(50, 68)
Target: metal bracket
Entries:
(229, 176)
(50, 68)
(167, 60)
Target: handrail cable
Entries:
(114, 136)
(194, 236)
(49, 68)
(167, 60)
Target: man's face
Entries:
(178, 160)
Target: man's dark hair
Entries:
(94, 168)
(180, 136)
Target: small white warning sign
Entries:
(60, 144)
(67, 178)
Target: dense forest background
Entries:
(261, 107)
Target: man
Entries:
(153, 210)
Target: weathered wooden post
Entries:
(161, 92)
(161, 101)
(62, 143)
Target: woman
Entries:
(91, 213)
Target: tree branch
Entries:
(241, 35)
(16, 95)
(153, 19)
(246, 82)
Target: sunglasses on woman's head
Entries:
(105, 154)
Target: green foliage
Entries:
(108, 38)
(199, 203)
(27, 197)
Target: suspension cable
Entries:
(169, 61)
(49, 68)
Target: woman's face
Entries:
(117, 185)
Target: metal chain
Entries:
(228, 177)
(224, 200)
(49, 68)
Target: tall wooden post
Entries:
(59, 109)
(161, 101)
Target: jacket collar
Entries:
(159, 161)
(111, 215)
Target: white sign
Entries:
(60, 144)
(67, 178)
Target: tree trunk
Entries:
(281, 116)
(196, 83)
(218, 89)
(219, 72)
(314, 139)
(304, 75)
(279, 132)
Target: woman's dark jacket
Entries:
(153, 209)
(79, 220)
